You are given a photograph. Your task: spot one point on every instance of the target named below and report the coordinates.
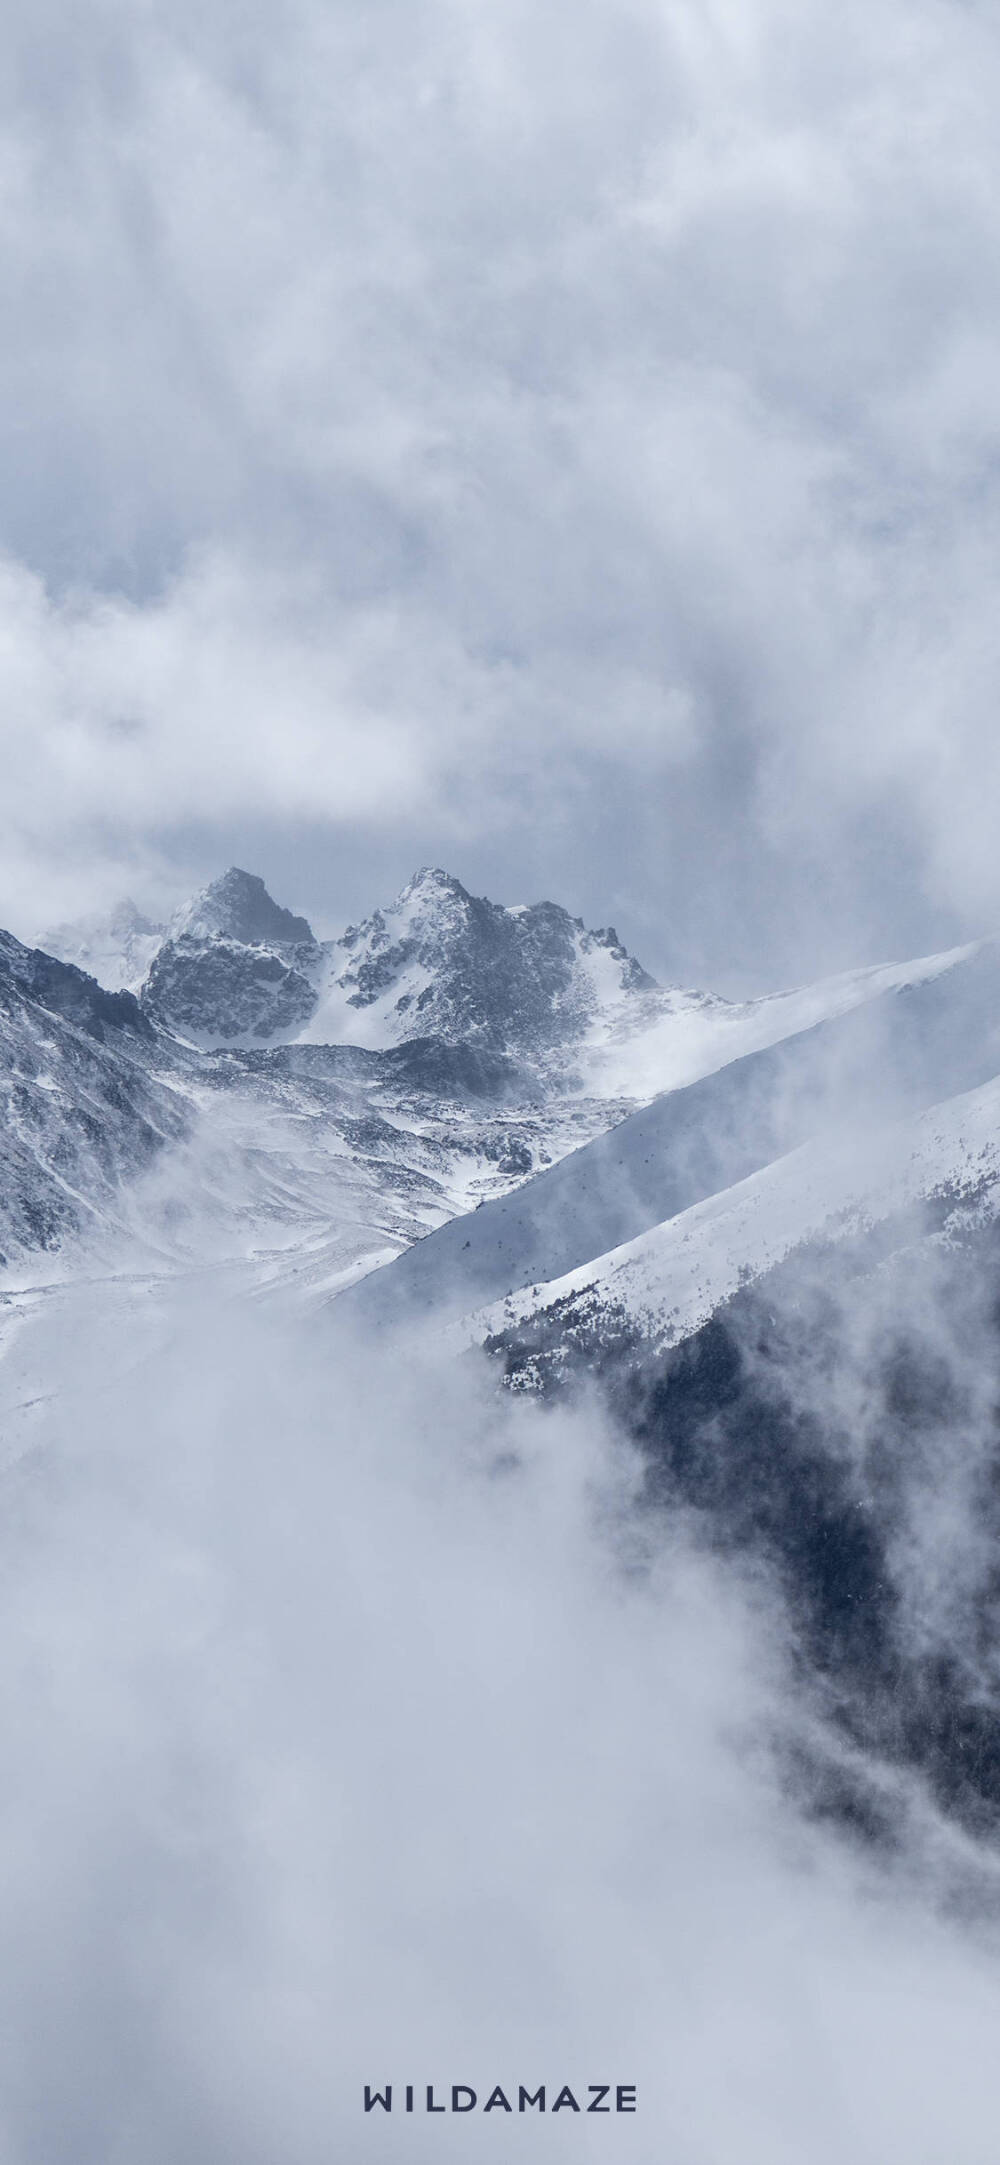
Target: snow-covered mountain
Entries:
(325, 1158)
(441, 962)
(764, 1231)
(809, 1363)
(929, 1174)
(505, 1040)
(84, 1111)
(915, 1041)
(234, 968)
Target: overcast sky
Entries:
(558, 443)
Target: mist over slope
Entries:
(360, 1730)
(84, 1109)
(500, 1565)
(470, 1046)
(910, 1045)
(233, 966)
(343, 1150)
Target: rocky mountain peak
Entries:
(438, 962)
(237, 906)
(235, 967)
(431, 883)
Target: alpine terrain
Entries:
(764, 1236)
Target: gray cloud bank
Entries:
(356, 1730)
(563, 445)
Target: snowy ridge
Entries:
(669, 1281)
(304, 1175)
(298, 1165)
(682, 1036)
(918, 1039)
(238, 907)
(441, 962)
(313, 1160)
(83, 1112)
(541, 1153)
(237, 969)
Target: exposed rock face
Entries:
(444, 963)
(219, 992)
(238, 907)
(81, 1114)
(366, 1145)
(812, 1426)
(781, 1272)
(439, 963)
(69, 992)
(235, 968)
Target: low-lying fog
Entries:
(357, 1730)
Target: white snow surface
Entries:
(628, 1042)
(294, 1184)
(670, 1280)
(411, 939)
(682, 1036)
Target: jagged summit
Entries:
(431, 896)
(438, 962)
(234, 967)
(237, 906)
(432, 879)
(443, 962)
(706, 1225)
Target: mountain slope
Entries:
(441, 962)
(779, 1272)
(82, 1112)
(831, 1423)
(937, 1172)
(908, 1048)
(304, 1164)
(346, 1155)
(235, 968)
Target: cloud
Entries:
(357, 1730)
(415, 416)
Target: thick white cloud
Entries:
(417, 411)
(358, 1731)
